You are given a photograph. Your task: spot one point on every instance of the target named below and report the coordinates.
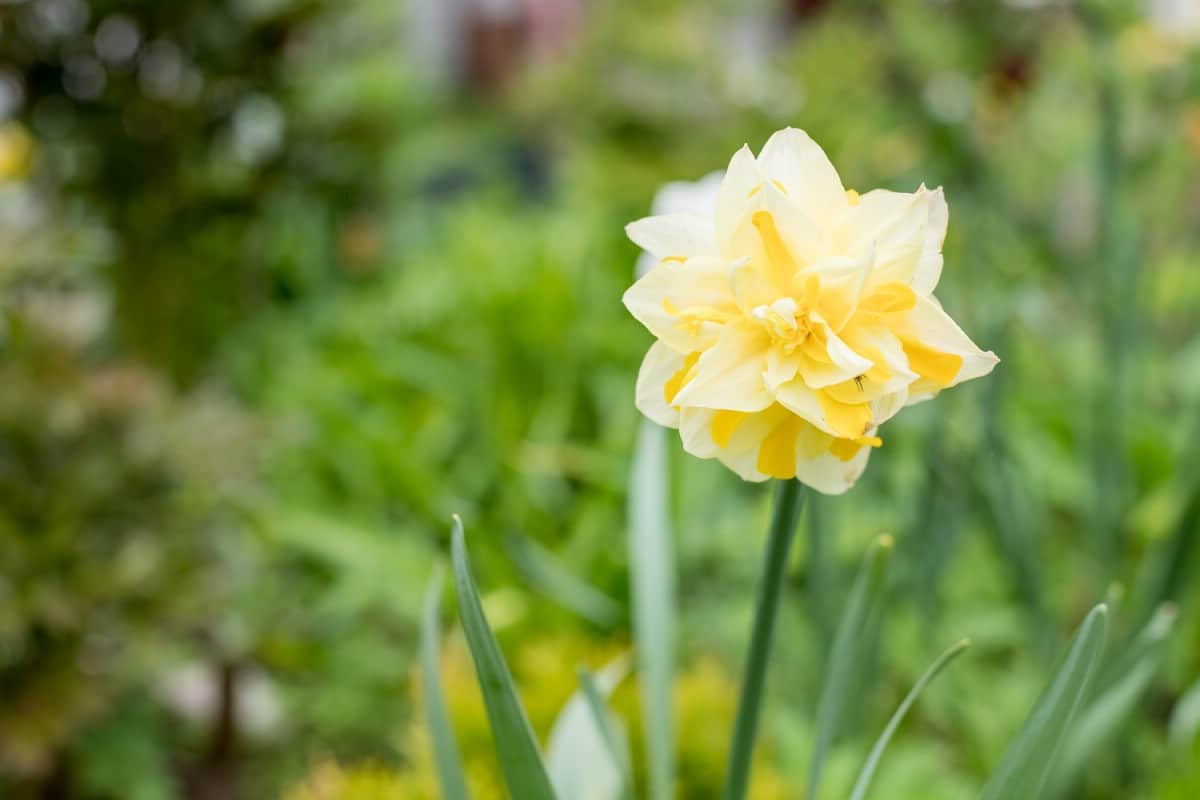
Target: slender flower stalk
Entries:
(789, 498)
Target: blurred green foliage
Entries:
(276, 303)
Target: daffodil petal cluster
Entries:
(796, 318)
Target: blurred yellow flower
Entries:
(795, 319)
(16, 152)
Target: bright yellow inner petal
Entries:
(852, 392)
(692, 319)
(852, 197)
(847, 420)
(783, 266)
(680, 378)
(846, 449)
(879, 371)
(889, 298)
(941, 368)
(723, 424)
(777, 453)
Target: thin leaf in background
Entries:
(579, 758)
(652, 589)
(1122, 686)
(545, 571)
(445, 748)
(516, 745)
(1171, 566)
(1028, 761)
(868, 771)
(845, 657)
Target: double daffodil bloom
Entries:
(796, 318)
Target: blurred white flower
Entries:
(1175, 19)
(192, 692)
(794, 316)
(683, 197)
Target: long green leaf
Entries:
(515, 743)
(1027, 763)
(1100, 722)
(652, 590)
(445, 748)
(846, 655)
(868, 771)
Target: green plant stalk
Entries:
(789, 498)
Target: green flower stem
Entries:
(789, 498)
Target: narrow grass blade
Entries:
(515, 743)
(1027, 763)
(445, 748)
(868, 771)
(603, 720)
(652, 590)
(849, 644)
(1099, 724)
(1172, 564)
(580, 760)
(544, 570)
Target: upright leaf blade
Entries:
(849, 644)
(1128, 678)
(515, 743)
(868, 771)
(1026, 765)
(652, 590)
(445, 748)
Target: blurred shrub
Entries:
(111, 487)
(705, 697)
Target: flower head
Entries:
(795, 318)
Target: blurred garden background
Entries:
(286, 283)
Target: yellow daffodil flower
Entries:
(796, 318)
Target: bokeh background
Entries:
(286, 283)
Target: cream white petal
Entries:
(793, 159)
(828, 474)
(906, 232)
(847, 364)
(741, 180)
(881, 345)
(740, 452)
(729, 375)
(674, 235)
(929, 267)
(659, 366)
(698, 283)
(934, 328)
(781, 367)
(888, 405)
(749, 285)
(799, 398)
